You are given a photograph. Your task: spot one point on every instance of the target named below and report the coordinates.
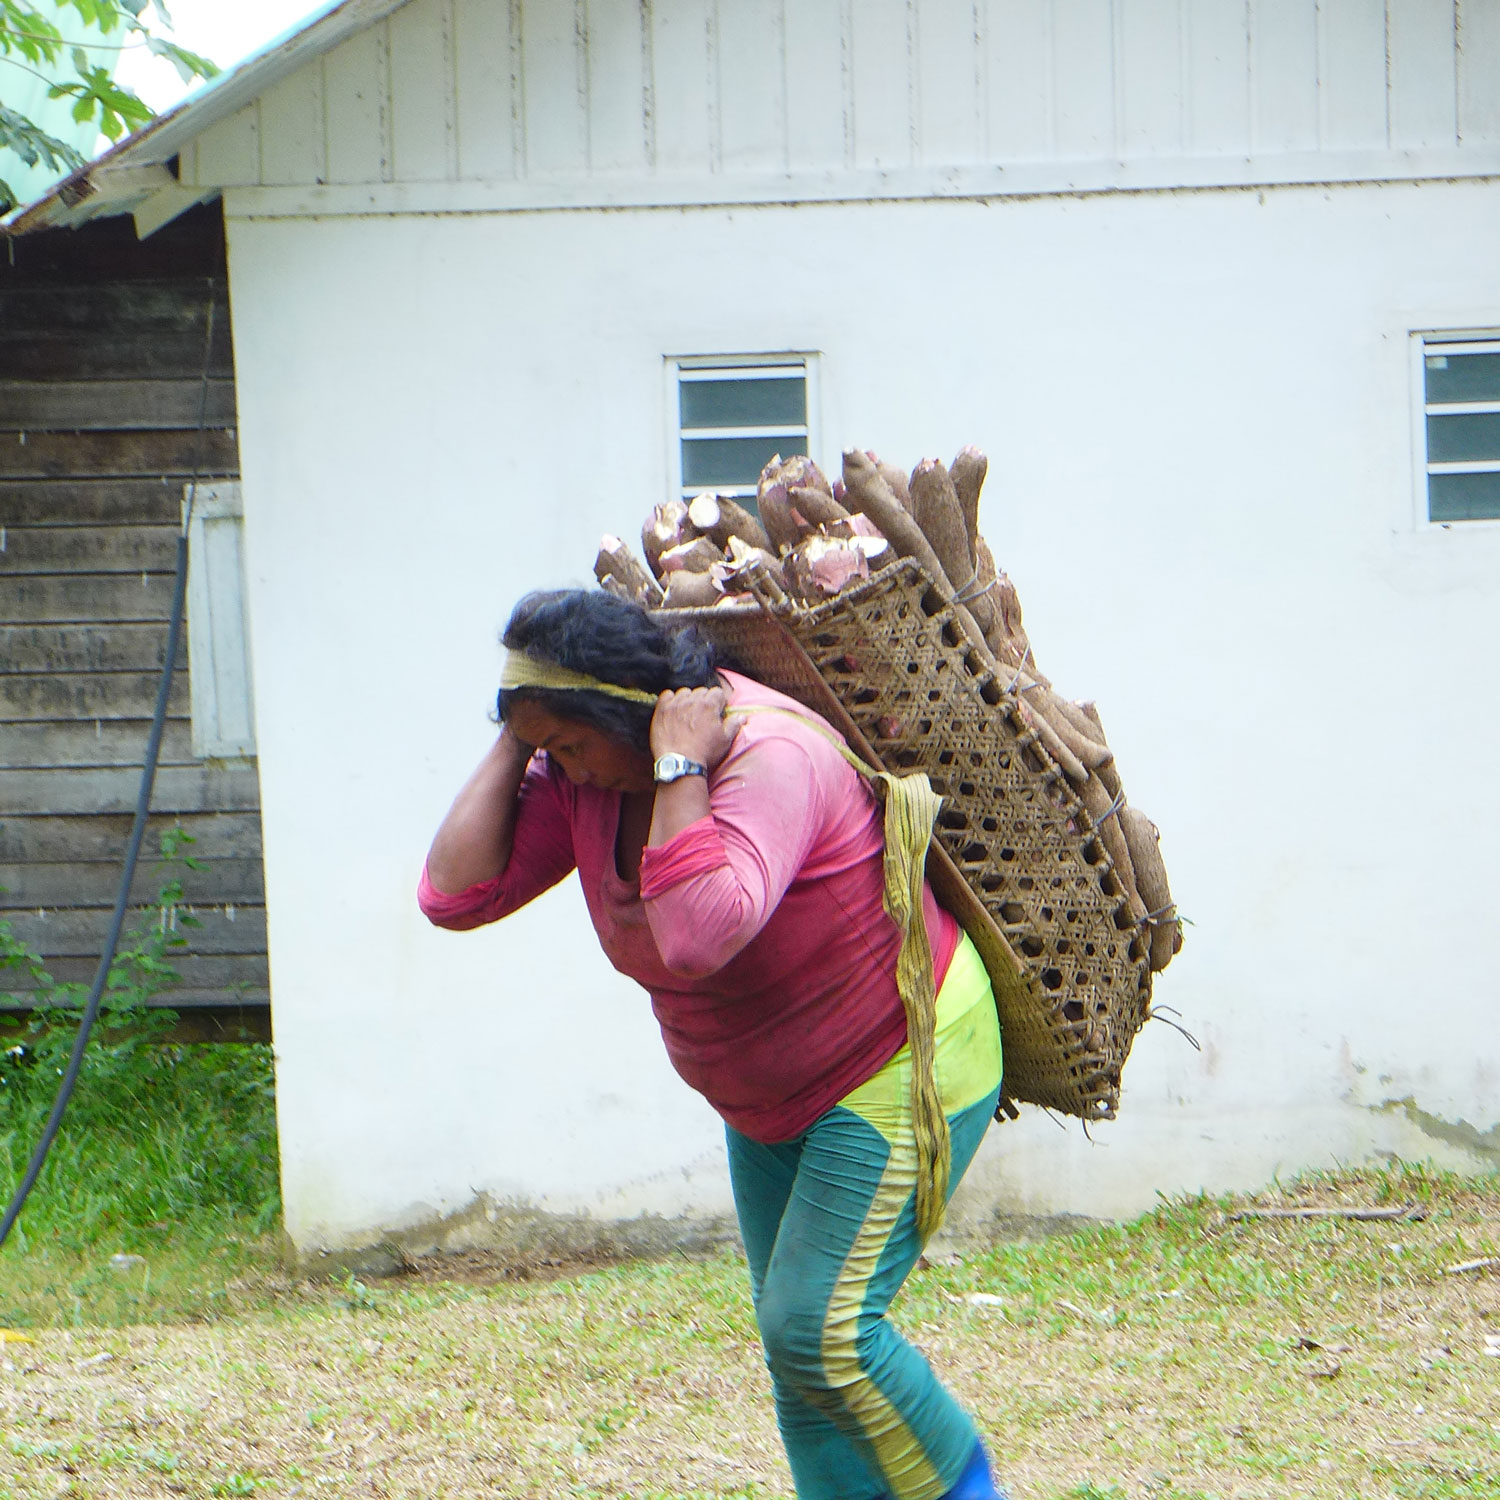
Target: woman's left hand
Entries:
(693, 722)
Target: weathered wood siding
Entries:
(102, 350)
(680, 91)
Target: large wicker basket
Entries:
(1017, 858)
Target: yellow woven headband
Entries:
(522, 671)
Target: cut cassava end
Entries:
(696, 556)
(745, 565)
(823, 566)
(667, 526)
(615, 560)
(773, 500)
(691, 591)
(719, 518)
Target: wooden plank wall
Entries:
(102, 352)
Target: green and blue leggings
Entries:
(829, 1226)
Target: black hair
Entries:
(590, 631)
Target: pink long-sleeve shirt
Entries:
(759, 931)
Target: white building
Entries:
(1192, 274)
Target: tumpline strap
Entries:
(911, 809)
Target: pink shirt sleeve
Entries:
(709, 890)
(541, 855)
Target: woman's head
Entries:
(608, 638)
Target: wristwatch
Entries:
(674, 767)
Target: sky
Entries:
(223, 30)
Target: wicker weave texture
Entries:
(1069, 964)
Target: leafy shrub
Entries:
(156, 1133)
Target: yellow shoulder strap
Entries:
(911, 809)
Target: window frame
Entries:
(746, 367)
(1424, 343)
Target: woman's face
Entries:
(585, 755)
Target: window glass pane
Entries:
(1463, 377)
(1463, 497)
(1461, 438)
(773, 402)
(708, 462)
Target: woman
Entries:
(732, 862)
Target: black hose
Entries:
(122, 901)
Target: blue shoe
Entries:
(976, 1482)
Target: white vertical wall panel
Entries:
(1283, 75)
(228, 154)
(751, 85)
(680, 59)
(1217, 44)
(1018, 76)
(1423, 81)
(948, 56)
(1083, 79)
(617, 85)
(293, 141)
(499, 90)
(423, 138)
(356, 81)
(880, 75)
(487, 110)
(817, 86)
(1351, 75)
(1478, 27)
(555, 104)
(1149, 54)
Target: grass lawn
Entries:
(1192, 1353)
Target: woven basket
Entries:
(1017, 859)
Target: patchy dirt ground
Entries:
(1212, 1349)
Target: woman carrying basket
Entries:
(733, 863)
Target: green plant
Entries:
(156, 1132)
(33, 41)
(36, 1049)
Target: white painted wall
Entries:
(1197, 410)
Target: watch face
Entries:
(674, 767)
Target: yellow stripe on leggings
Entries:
(902, 1458)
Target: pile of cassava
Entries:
(813, 539)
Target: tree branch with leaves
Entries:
(38, 43)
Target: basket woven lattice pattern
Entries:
(1071, 975)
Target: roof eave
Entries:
(122, 180)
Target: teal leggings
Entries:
(829, 1227)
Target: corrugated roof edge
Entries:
(136, 169)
